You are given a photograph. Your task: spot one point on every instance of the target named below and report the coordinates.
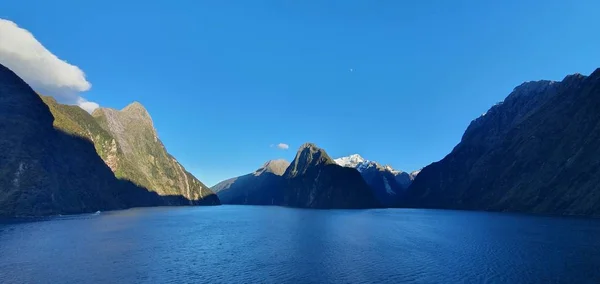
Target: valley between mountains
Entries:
(535, 152)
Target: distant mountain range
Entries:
(58, 159)
(534, 152)
(312, 180)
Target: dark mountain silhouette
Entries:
(314, 180)
(535, 152)
(262, 187)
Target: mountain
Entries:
(262, 187)
(414, 174)
(45, 171)
(387, 184)
(534, 152)
(404, 179)
(314, 180)
(352, 161)
(128, 143)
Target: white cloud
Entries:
(43, 71)
(281, 146)
(87, 106)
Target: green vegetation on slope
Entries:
(76, 121)
(45, 171)
(127, 142)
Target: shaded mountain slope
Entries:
(535, 152)
(263, 187)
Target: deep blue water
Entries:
(248, 244)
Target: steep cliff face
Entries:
(314, 180)
(534, 152)
(145, 160)
(263, 187)
(46, 171)
(127, 142)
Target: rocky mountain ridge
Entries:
(128, 143)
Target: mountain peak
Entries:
(356, 157)
(414, 174)
(358, 162)
(308, 145)
(595, 74)
(309, 155)
(133, 110)
(276, 167)
(137, 111)
(128, 124)
(351, 161)
(531, 87)
(134, 106)
(391, 170)
(313, 149)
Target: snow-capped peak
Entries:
(391, 170)
(415, 173)
(351, 161)
(359, 163)
(355, 161)
(362, 164)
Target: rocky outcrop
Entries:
(262, 187)
(314, 180)
(535, 152)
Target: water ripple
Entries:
(247, 244)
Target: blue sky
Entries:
(395, 81)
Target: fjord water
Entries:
(251, 244)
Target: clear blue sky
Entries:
(223, 80)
